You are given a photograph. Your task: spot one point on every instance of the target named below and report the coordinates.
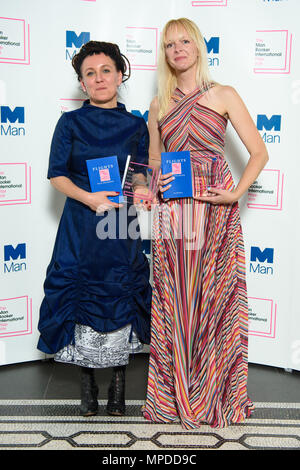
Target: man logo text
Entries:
(10, 116)
(12, 255)
(259, 257)
(272, 124)
(74, 42)
(138, 113)
(213, 47)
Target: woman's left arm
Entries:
(242, 122)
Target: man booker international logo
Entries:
(15, 183)
(273, 50)
(15, 316)
(262, 317)
(266, 193)
(141, 46)
(14, 41)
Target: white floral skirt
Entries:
(99, 350)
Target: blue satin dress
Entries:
(101, 284)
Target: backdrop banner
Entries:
(252, 45)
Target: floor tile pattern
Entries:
(56, 424)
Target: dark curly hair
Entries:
(109, 49)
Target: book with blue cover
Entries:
(104, 175)
(178, 163)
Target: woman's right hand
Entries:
(99, 201)
(165, 182)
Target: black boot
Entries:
(89, 392)
(116, 393)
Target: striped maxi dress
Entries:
(198, 362)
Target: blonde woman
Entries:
(198, 355)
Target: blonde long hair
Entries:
(166, 77)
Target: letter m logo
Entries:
(213, 45)
(266, 255)
(7, 115)
(14, 253)
(268, 124)
(138, 113)
(73, 40)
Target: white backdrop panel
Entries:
(252, 45)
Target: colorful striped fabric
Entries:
(199, 334)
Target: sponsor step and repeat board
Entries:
(252, 45)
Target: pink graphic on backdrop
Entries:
(268, 317)
(209, 3)
(141, 47)
(22, 316)
(274, 192)
(69, 104)
(7, 57)
(269, 50)
(7, 196)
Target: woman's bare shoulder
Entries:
(224, 98)
(153, 111)
(223, 91)
(154, 104)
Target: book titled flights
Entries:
(104, 175)
(178, 163)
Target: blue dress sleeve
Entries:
(61, 149)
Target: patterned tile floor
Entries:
(56, 424)
(39, 411)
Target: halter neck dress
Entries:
(198, 353)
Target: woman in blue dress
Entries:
(96, 308)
